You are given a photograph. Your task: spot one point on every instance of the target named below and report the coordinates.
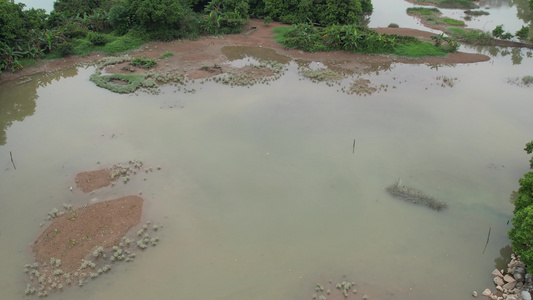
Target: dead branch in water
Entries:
(488, 237)
(11, 154)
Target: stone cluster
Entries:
(513, 284)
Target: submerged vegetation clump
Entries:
(415, 196)
(345, 290)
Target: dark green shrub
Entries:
(393, 25)
(500, 33)
(65, 48)
(523, 33)
(119, 19)
(97, 39)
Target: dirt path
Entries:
(207, 51)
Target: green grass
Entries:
(419, 50)
(281, 33)
(470, 36)
(451, 3)
(423, 11)
(28, 62)
(166, 54)
(527, 80)
(453, 22)
(125, 43)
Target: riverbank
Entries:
(192, 55)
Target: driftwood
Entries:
(415, 196)
(11, 154)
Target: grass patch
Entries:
(166, 54)
(143, 62)
(423, 11)
(280, 35)
(476, 12)
(114, 45)
(470, 36)
(453, 22)
(461, 4)
(419, 50)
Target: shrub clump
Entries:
(96, 39)
(143, 62)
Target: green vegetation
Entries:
(527, 80)
(166, 54)
(461, 4)
(470, 36)
(522, 232)
(476, 12)
(143, 62)
(523, 33)
(500, 33)
(453, 22)
(358, 39)
(423, 11)
(80, 27)
(393, 25)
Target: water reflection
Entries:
(504, 258)
(16, 103)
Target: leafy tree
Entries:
(522, 35)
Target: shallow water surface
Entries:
(260, 194)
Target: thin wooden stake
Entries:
(11, 154)
(488, 237)
(353, 147)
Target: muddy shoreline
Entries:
(191, 55)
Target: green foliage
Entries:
(97, 39)
(523, 33)
(65, 48)
(459, 4)
(143, 62)
(224, 17)
(521, 235)
(325, 13)
(393, 25)
(470, 36)
(500, 33)
(119, 19)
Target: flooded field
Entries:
(261, 192)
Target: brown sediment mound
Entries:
(72, 236)
(93, 180)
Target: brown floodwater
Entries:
(261, 192)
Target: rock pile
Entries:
(513, 284)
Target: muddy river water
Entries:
(261, 193)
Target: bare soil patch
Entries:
(75, 234)
(93, 180)
(190, 56)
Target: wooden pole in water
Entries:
(11, 154)
(353, 147)
(488, 237)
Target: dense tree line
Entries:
(32, 34)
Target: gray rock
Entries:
(519, 277)
(498, 281)
(497, 272)
(486, 292)
(511, 297)
(508, 278)
(509, 285)
(520, 270)
(525, 295)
